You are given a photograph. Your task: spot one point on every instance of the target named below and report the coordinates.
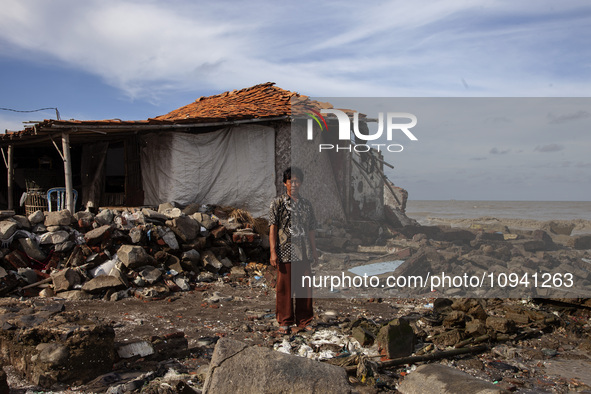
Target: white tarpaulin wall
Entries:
(232, 167)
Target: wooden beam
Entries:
(10, 168)
(68, 171)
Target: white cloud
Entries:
(331, 48)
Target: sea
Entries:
(515, 214)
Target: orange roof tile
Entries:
(260, 101)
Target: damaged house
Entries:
(228, 149)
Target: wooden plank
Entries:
(10, 177)
(68, 172)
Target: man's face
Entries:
(293, 186)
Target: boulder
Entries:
(59, 218)
(102, 283)
(22, 222)
(56, 237)
(237, 367)
(192, 256)
(543, 236)
(580, 242)
(185, 227)
(97, 235)
(105, 217)
(136, 234)
(133, 256)
(165, 206)
(191, 209)
(455, 235)
(152, 215)
(396, 339)
(211, 262)
(437, 378)
(75, 295)
(168, 236)
(559, 228)
(7, 228)
(64, 246)
(150, 274)
(205, 220)
(36, 217)
(65, 279)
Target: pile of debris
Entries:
(500, 263)
(120, 253)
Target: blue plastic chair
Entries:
(60, 197)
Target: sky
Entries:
(104, 59)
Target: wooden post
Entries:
(10, 168)
(68, 172)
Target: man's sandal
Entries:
(283, 330)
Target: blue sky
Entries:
(100, 59)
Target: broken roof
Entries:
(260, 102)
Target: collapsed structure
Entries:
(228, 149)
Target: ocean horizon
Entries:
(428, 212)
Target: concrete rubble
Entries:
(114, 250)
(214, 261)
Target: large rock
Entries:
(396, 339)
(205, 220)
(7, 228)
(185, 227)
(152, 215)
(57, 237)
(543, 236)
(561, 227)
(97, 235)
(437, 378)
(211, 262)
(236, 367)
(133, 256)
(150, 274)
(22, 222)
(581, 242)
(455, 235)
(60, 218)
(105, 217)
(102, 283)
(65, 279)
(36, 217)
(168, 237)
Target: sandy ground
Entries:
(557, 361)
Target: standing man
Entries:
(293, 250)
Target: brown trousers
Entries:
(287, 295)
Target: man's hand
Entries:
(273, 259)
